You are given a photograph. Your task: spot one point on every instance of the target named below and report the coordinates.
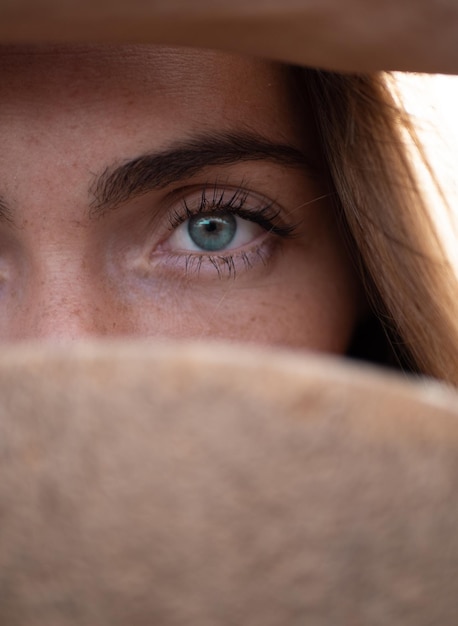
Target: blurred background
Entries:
(432, 100)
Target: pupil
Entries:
(212, 232)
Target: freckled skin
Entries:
(66, 114)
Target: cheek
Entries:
(309, 300)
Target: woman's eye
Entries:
(214, 232)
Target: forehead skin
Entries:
(178, 81)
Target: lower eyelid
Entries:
(224, 265)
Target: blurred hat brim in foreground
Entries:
(212, 485)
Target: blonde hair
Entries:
(411, 287)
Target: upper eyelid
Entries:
(206, 187)
(216, 192)
(237, 197)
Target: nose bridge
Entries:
(61, 317)
(61, 302)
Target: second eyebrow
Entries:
(156, 171)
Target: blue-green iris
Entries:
(212, 232)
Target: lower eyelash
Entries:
(226, 266)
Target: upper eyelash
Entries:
(267, 216)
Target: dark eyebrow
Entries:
(148, 172)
